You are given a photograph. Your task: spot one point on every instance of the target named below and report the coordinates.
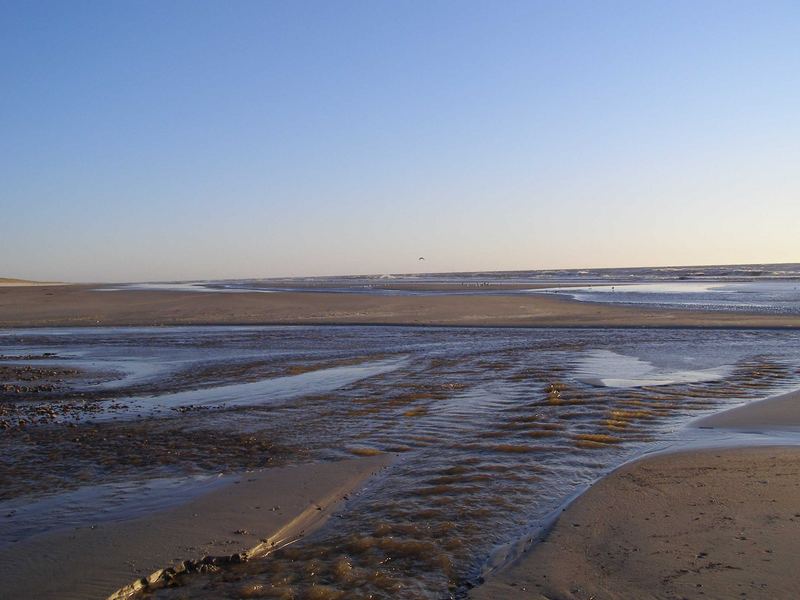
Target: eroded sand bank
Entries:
(10, 282)
(81, 305)
(714, 523)
(779, 413)
(251, 513)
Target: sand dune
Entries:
(11, 282)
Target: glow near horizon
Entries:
(191, 140)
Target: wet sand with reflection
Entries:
(713, 516)
(240, 517)
(490, 429)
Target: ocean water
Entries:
(490, 429)
(765, 289)
(566, 276)
(779, 296)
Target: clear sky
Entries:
(159, 139)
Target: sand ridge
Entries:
(84, 306)
(778, 413)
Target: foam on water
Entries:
(179, 286)
(771, 297)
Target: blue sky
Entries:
(180, 140)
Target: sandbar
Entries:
(778, 413)
(253, 512)
(83, 306)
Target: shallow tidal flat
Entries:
(489, 429)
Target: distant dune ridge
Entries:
(11, 281)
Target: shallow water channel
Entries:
(491, 429)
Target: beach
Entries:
(125, 413)
(710, 523)
(83, 306)
(246, 516)
(399, 301)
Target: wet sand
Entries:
(81, 305)
(495, 427)
(779, 413)
(715, 523)
(502, 441)
(252, 513)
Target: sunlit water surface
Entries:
(766, 297)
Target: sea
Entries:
(757, 289)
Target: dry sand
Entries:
(80, 305)
(266, 508)
(700, 524)
(10, 282)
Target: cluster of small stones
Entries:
(12, 388)
(21, 415)
(169, 576)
